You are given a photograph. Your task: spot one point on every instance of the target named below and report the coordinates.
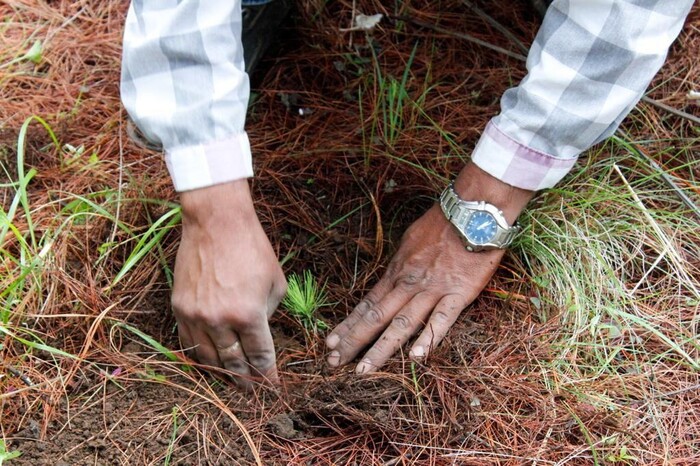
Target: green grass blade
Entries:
(36, 345)
(149, 340)
(148, 241)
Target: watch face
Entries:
(481, 228)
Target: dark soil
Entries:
(130, 421)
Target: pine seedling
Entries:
(304, 297)
(6, 455)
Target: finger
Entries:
(259, 350)
(381, 289)
(443, 317)
(204, 348)
(368, 327)
(230, 350)
(186, 342)
(277, 292)
(403, 326)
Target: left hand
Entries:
(432, 278)
(428, 283)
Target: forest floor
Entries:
(582, 350)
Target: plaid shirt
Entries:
(184, 84)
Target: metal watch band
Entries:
(459, 212)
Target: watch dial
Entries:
(481, 228)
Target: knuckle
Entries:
(392, 268)
(279, 295)
(187, 310)
(209, 320)
(441, 317)
(349, 341)
(244, 312)
(179, 304)
(408, 280)
(279, 290)
(401, 322)
(245, 317)
(216, 311)
(237, 366)
(217, 316)
(233, 363)
(209, 317)
(262, 360)
(282, 281)
(375, 315)
(364, 306)
(366, 303)
(193, 313)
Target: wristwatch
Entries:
(480, 224)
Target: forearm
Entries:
(184, 85)
(587, 69)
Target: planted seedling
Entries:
(304, 297)
(6, 455)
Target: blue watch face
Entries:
(481, 228)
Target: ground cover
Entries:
(583, 350)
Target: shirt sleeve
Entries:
(588, 67)
(184, 84)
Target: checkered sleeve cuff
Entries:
(200, 166)
(517, 164)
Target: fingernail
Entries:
(417, 352)
(334, 359)
(364, 366)
(332, 341)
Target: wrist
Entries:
(474, 184)
(217, 204)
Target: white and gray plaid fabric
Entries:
(588, 67)
(183, 83)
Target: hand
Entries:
(428, 283)
(227, 283)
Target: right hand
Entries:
(228, 282)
